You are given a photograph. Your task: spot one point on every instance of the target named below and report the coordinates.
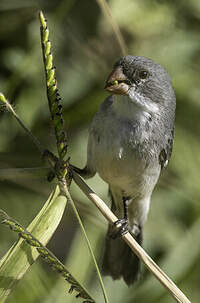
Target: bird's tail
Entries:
(119, 261)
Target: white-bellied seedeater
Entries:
(130, 142)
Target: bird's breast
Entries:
(122, 157)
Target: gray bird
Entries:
(130, 142)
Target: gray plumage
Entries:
(130, 141)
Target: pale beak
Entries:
(117, 82)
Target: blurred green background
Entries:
(85, 49)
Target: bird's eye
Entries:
(143, 74)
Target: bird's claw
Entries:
(120, 228)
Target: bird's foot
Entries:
(60, 168)
(120, 228)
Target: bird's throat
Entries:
(125, 107)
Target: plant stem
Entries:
(176, 293)
(106, 10)
(69, 198)
(29, 133)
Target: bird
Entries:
(130, 142)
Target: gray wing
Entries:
(165, 153)
(90, 165)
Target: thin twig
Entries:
(65, 192)
(106, 10)
(30, 173)
(135, 247)
(29, 133)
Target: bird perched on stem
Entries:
(130, 142)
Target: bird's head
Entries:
(145, 82)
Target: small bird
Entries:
(130, 142)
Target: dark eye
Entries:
(143, 74)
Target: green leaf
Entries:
(21, 256)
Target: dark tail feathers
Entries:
(119, 261)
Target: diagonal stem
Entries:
(175, 292)
(106, 10)
(29, 133)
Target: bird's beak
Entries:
(117, 82)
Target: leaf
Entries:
(21, 256)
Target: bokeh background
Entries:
(85, 49)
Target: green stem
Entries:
(69, 198)
(29, 133)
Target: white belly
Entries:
(121, 166)
(119, 149)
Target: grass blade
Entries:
(21, 256)
(47, 256)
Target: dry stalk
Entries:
(136, 248)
